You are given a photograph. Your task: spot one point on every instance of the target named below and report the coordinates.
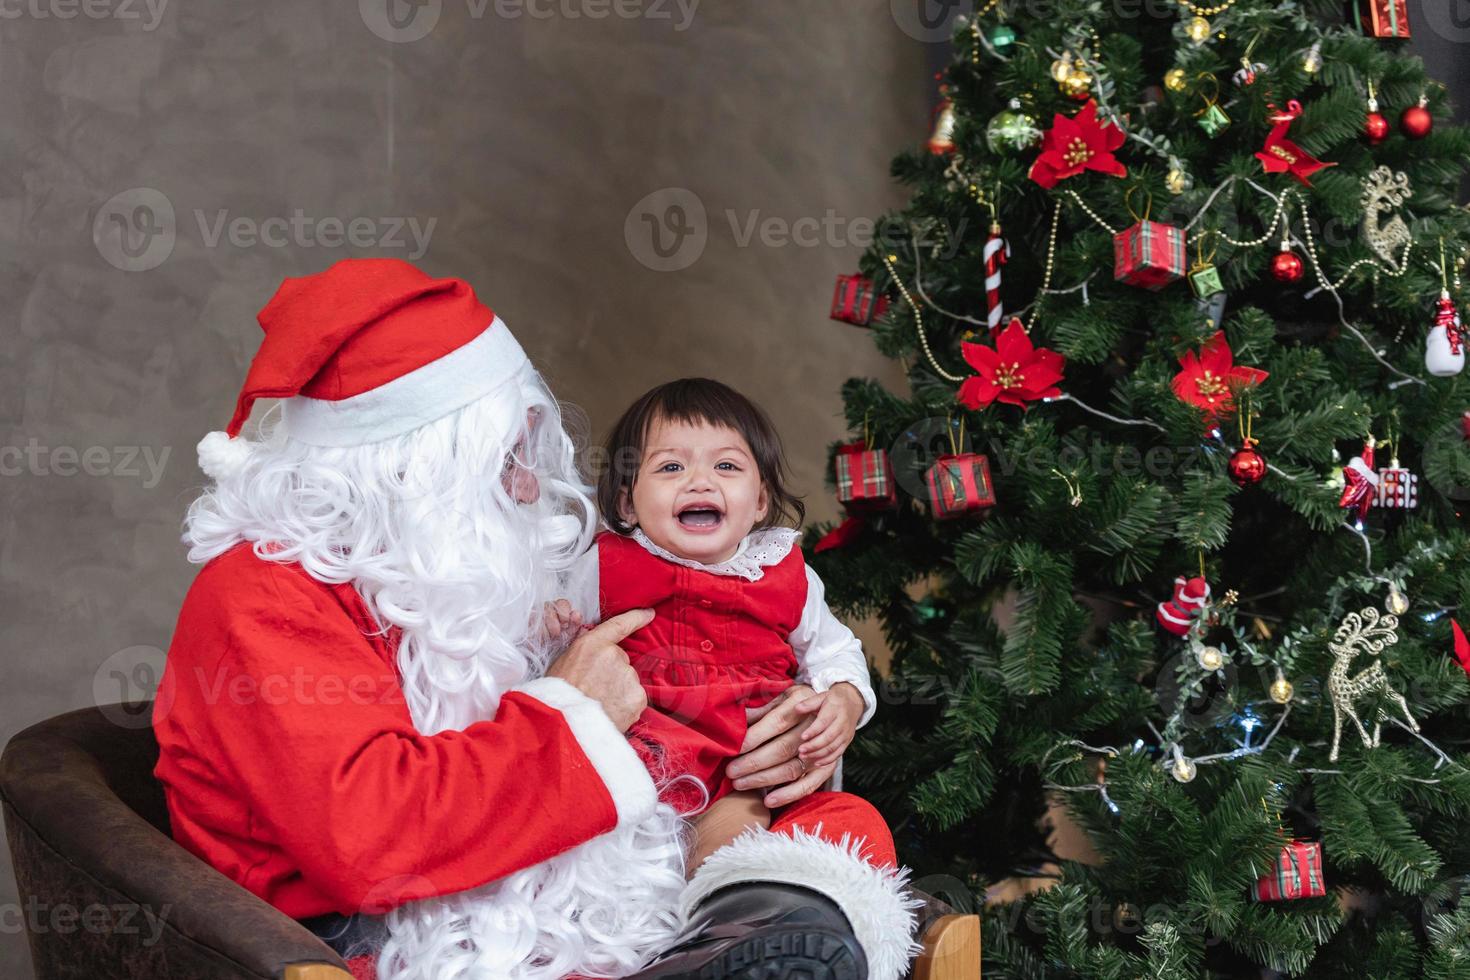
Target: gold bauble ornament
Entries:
(1077, 85)
(1210, 658)
(1281, 690)
(1397, 602)
(1184, 770)
(1175, 80)
(1198, 30)
(1061, 69)
(1178, 182)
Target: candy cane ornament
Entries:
(997, 250)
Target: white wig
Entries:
(423, 527)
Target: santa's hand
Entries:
(561, 620)
(595, 665)
(769, 753)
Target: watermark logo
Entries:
(127, 681)
(929, 20)
(667, 230)
(134, 229)
(1447, 461)
(1199, 705)
(400, 21)
(1450, 19)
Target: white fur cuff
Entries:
(622, 772)
(875, 900)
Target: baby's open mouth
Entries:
(700, 518)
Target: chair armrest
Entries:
(72, 837)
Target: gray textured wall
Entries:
(526, 141)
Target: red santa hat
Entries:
(367, 350)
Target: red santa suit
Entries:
(724, 638)
(290, 762)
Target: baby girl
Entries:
(695, 497)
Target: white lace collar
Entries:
(759, 551)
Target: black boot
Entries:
(763, 931)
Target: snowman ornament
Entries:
(1444, 351)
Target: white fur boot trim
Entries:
(876, 901)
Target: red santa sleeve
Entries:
(306, 720)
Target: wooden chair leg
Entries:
(316, 971)
(951, 950)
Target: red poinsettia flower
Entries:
(1012, 371)
(1281, 156)
(1077, 144)
(1210, 379)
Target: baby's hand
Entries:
(837, 711)
(561, 620)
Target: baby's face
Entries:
(698, 491)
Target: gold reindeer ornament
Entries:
(1362, 632)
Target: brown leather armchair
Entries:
(107, 895)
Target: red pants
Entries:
(826, 815)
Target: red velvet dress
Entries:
(718, 644)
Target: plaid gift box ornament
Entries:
(1383, 18)
(1398, 488)
(1150, 254)
(960, 484)
(1298, 874)
(857, 301)
(865, 478)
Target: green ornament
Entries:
(1212, 120)
(1002, 37)
(1205, 281)
(929, 609)
(1011, 130)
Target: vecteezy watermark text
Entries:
(64, 918)
(136, 230)
(667, 230)
(405, 21)
(308, 231)
(124, 10)
(129, 462)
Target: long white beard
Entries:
(601, 909)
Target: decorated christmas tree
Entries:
(1166, 530)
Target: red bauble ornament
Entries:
(1375, 127)
(1247, 466)
(1417, 121)
(1287, 266)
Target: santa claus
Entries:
(364, 723)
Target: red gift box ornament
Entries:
(1177, 615)
(1398, 488)
(865, 478)
(857, 301)
(1150, 254)
(1383, 18)
(1298, 874)
(959, 484)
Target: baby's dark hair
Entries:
(695, 401)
